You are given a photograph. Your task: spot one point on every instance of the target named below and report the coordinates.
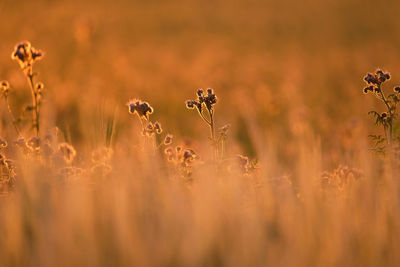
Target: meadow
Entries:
(199, 133)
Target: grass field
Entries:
(104, 162)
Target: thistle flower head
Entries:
(67, 151)
(4, 85)
(157, 127)
(3, 143)
(190, 104)
(4, 88)
(377, 78)
(26, 54)
(34, 143)
(140, 108)
(209, 100)
(200, 92)
(39, 87)
(168, 139)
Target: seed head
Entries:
(168, 139)
(39, 87)
(168, 151)
(25, 54)
(200, 92)
(3, 143)
(4, 85)
(67, 151)
(140, 108)
(190, 104)
(368, 89)
(157, 127)
(34, 143)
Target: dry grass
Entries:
(277, 171)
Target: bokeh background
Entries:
(281, 68)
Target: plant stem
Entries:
(35, 119)
(390, 115)
(12, 116)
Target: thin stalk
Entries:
(35, 119)
(390, 114)
(14, 122)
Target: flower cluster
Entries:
(245, 165)
(209, 100)
(140, 108)
(390, 101)
(152, 128)
(375, 81)
(4, 88)
(341, 178)
(183, 157)
(67, 152)
(26, 54)
(168, 139)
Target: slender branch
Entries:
(14, 122)
(35, 119)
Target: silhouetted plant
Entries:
(385, 119)
(26, 56)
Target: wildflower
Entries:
(208, 100)
(4, 85)
(168, 151)
(368, 89)
(243, 162)
(39, 87)
(34, 143)
(157, 127)
(168, 139)
(3, 143)
(377, 79)
(4, 88)
(67, 151)
(190, 104)
(140, 108)
(25, 54)
(187, 157)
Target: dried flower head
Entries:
(152, 128)
(3, 143)
(39, 87)
(157, 127)
(168, 139)
(34, 143)
(4, 88)
(140, 108)
(67, 151)
(168, 151)
(208, 100)
(245, 165)
(4, 85)
(25, 54)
